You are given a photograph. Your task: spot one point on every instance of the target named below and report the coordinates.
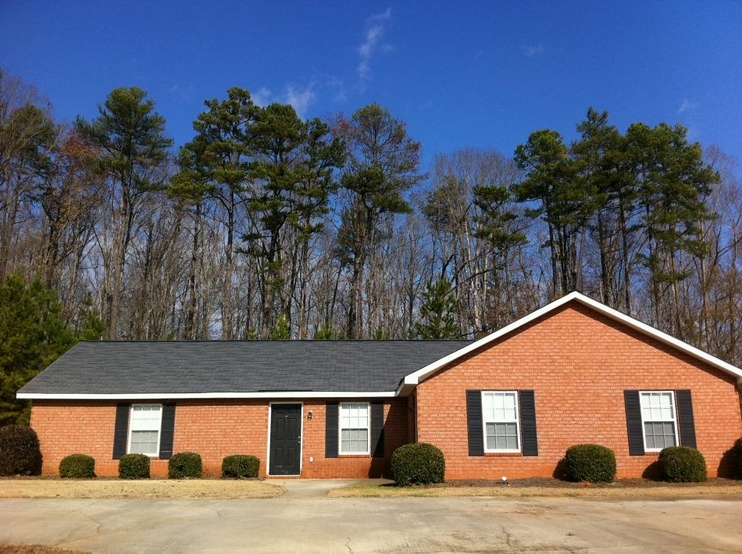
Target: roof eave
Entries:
(204, 395)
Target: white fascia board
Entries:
(411, 380)
(202, 395)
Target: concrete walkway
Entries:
(317, 488)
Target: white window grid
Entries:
(658, 407)
(355, 431)
(145, 424)
(501, 408)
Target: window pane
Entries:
(354, 441)
(502, 436)
(144, 442)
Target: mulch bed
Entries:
(545, 482)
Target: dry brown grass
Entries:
(35, 549)
(154, 488)
(629, 488)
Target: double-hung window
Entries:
(500, 420)
(354, 428)
(145, 421)
(658, 420)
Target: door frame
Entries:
(301, 437)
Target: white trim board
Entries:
(413, 379)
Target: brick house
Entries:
(509, 404)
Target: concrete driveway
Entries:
(304, 520)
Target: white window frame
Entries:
(674, 417)
(485, 421)
(131, 429)
(341, 428)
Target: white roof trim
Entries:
(202, 395)
(411, 380)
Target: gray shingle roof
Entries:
(120, 368)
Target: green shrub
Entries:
(77, 466)
(240, 466)
(737, 457)
(418, 464)
(19, 451)
(185, 465)
(682, 464)
(592, 463)
(134, 466)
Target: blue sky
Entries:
(462, 74)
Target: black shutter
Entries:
(167, 431)
(474, 422)
(685, 418)
(528, 422)
(377, 430)
(634, 422)
(331, 430)
(121, 430)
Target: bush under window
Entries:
(134, 466)
(77, 466)
(682, 464)
(19, 451)
(418, 464)
(185, 465)
(240, 466)
(592, 463)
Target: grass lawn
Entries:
(20, 487)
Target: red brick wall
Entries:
(214, 429)
(578, 363)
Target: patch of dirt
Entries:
(35, 549)
(624, 488)
(20, 487)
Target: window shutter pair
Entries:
(121, 431)
(685, 421)
(527, 411)
(332, 429)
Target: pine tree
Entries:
(437, 312)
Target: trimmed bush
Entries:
(134, 466)
(77, 466)
(19, 451)
(682, 464)
(185, 465)
(737, 457)
(240, 466)
(592, 463)
(418, 464)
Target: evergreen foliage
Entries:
(592, 463)
(682, 464)
(185, 465)
(33, 334)
(418, 464)
(77, 466)
(240, 466)
(20, 453)
(438, 312)
(134, 466)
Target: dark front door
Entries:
(285, 439)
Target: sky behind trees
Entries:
(461, 74)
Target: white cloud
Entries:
(262, 97)
(686, 105)
(298, 98)
(533, 50)
(376, 25)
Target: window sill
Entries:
(341, 455)
(503, 454)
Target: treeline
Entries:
(267, 225)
